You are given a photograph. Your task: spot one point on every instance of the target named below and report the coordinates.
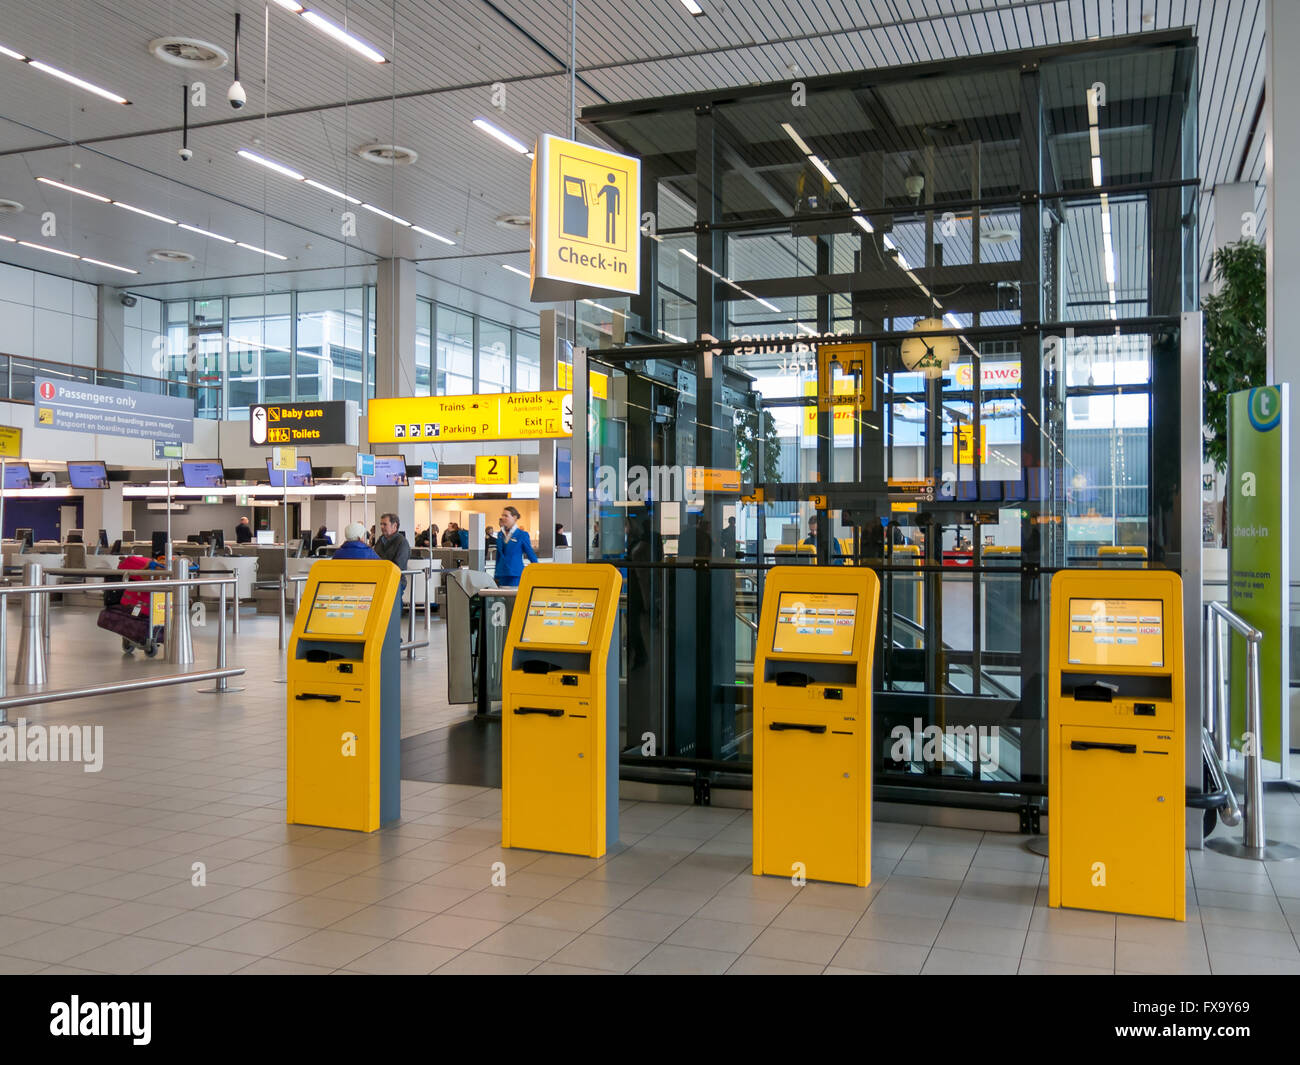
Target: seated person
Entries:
(811, 539)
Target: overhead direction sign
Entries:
(273, 424)
(586, 224)
(11, 442)
(78, 407)
(501, 416)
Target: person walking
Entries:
(513, 545)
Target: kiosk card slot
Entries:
(1093, 745)
(1096, 692)
(787, 726)
(305, 696)
(548, 711)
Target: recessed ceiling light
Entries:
(263, 251)
(188, 52)
(501, 135)
(111, 266)
(693, 7)
(388, 154)
(67, 254)
(73, 188)
(516, 270)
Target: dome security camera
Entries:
(186, 154)
(914, 184)
(237, 96)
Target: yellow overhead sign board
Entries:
(496, 469)
(586, 221)
(843, 414)
(11, 442)
(502, 416)
(597, 382)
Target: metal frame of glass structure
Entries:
(1040, 204)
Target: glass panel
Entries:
(493, 357)
(455, 352)
(330, 347)
(528, 362)
(423, 346)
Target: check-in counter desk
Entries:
(344, 709)
(1116, 774)
(559, 718)
(812, 724)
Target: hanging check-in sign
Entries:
(586, 222)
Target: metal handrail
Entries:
(220, 674)
(410, 645)
(1255, 843)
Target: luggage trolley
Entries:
(137, 617)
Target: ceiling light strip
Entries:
(66, 254)
(63, 75)
(294, 175)
(331, 29)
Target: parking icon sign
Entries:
(399, 431)
(431, 429)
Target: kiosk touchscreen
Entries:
(1116, 771)
(812, 724)
(344, 698)
(559, 720)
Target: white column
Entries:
(105, 509)
(1233, 204)
(1282, 178)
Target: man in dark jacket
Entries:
(392, 544)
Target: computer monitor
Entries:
(205, 536)
(17, 475)
(299, 478)
(75, 537)
(85, 476)
(159, 546)
(265, 537)
(193, 538)
(389, 470)
(128, 536)
(219, 539)
(203, 473)
(103, 537)
(23, 536)
(563, 473)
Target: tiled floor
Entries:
(97, 870)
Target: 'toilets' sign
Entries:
(586, 221)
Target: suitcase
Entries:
(135, 630)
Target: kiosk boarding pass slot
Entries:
(812, 724)
(559, 744)
(1116, 759)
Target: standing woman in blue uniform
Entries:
(512, 547)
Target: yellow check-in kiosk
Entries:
(812, 724)
(559, 717)
(345, 699)
(1116, 706)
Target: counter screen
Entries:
(18, 475)
(85, 475)
(815, 623)
(200, 474)
(560, 615)
(1116, 632)
(340, 609)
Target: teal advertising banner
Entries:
(1258, 557)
